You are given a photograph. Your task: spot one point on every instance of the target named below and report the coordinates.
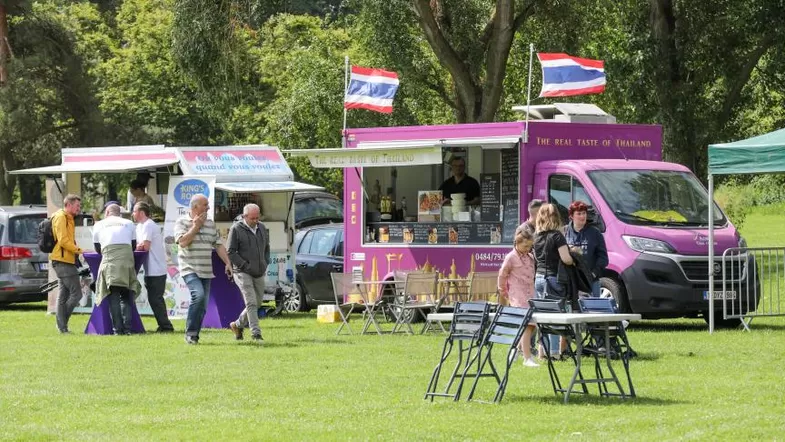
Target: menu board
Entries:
(490, 188)
(511, 198)
(438, 233)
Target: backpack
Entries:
(46, 237)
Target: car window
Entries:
(24, 229)
(339, 251)
(318, 207)
(323, 242)
(305, 246)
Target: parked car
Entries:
(319, 252)
(313, 207)
(23, 268)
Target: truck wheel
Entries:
(610, 287)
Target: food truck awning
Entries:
(397, 153)
(370, 157)
(114, 159)
(270, 186)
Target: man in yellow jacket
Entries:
(64, 260)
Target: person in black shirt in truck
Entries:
(459, 182)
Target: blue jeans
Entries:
(540, 287)
(200, 293)
(595, 289)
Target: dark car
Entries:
(23, 268)
(319, 251)
(312, 208)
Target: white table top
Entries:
(583, 318)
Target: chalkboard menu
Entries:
(490, 188)
(438, 233)
(511, 198)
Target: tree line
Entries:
(211, 72)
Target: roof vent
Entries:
(567, 113)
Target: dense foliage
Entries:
(206, 72)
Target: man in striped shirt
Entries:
(197, 236)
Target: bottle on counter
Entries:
(403, 207)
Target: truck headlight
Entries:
(641, 244)
(742, 242)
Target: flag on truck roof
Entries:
(564, 75)
(372, 89)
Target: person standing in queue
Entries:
(516, 283)
(530, 224)
(249, 251)
(590, 240)
(196, 237)
(459, 182)
(64, 259)
(150, 240)
(550, 249)
(114, 237)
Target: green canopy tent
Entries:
(761, 154)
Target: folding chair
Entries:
(616, 342)
(416, 299)
(563, 330)
(507, 329)
(483, 286)
(470, 319)
(346, 289)
(449, 294)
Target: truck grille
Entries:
(699, 270)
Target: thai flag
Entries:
(564, 75)
(372, 89)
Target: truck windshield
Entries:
(656, 197)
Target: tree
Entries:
(470, 40)
(47, 100)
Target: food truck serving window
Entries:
(470, 198)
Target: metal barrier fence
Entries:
(752, 281)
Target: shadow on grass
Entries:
(664, 326)
(252, 344)
(592, 399)
(324, 341)
(24, 307)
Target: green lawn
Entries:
(307, 383)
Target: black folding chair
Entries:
(506, 329)
(617, 343)
(564, 330)
(469, 322)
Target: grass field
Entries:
(307, 383)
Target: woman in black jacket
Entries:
(591, 242)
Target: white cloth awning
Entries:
(497, 142)
(98, 167)
(371, 156)
(270, 186)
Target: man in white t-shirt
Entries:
(149, 239)
(115, 239)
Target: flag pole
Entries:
(529, 93)
(345, 88)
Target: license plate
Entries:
(728, 295)
(43, 266)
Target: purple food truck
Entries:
(652, 213)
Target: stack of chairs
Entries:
(506, 330)
(467, 329)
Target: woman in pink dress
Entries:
(516, 283)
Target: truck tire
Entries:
(613, 287)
